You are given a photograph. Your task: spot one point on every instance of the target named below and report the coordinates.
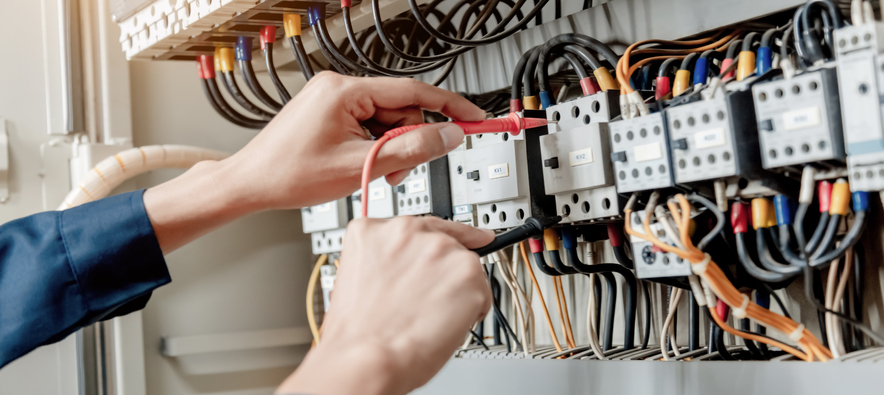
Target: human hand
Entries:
(313, 150)
(406, 294)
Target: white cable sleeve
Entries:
(624, 106)
(798, 334)
(856, 14)
(808, 176)
(113, 171)
(700, 267)
(697, 290)
(868, 12)
(720, 188)
(740, 312)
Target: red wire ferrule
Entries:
(268, 35)
(516, 105)
(739, 217)
(205, 66)
(615, 234)
(662, 89)
(346, 3)
(535, 245)
(722, 309)
(588, 87)
(724, 65)
(824, 194)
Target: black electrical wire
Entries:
(540, 262)
(338, 66)
(777, 300)
(495, 36)
(479, 339)
(732, 49)
(831, 18)
(558, 10)
(828, 238)
(857, 295)
(818, 232)
(750, 41)
(516, 88)
(688, 62)
(284, 95)
(750, 345)
(210, 87)
(693, 323)
(495, 295)
(510, 335)
(631, 294)
(646, 294)
(767, 260)
(575, 64)
(849, 241)
(301, 56)
(547, 53)
(556, 261)
(752, 268)
(784, 48)
(236, 93)
(248, 75)
(717, 339)
(622, 258)
(720, 221)
(664, 68)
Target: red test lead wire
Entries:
(513, 124)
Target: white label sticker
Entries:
(499, 171)
(581, 157)
(646, 152)
(378, 193)
(415, 186)
(709, 138)
(800, 119)
(462, 209)
(323, 208)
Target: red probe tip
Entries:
(531, 123)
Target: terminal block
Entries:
(381, 200)
(640, 154)
(598, 108)
(651, 261)
(504, 180)
(327, 242)
(326, 216)
(426, 190)
(715, 139)
(858, 57)
(799, 119)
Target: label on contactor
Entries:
(415, 186)
(323, 208)
(709, 138)
(800, 119)
(646, 152)
(378, 193)
(580, 157)
(499, 171)
(459, 210)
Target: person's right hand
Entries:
(407, 291)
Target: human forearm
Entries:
(333, 368)
(197, 202)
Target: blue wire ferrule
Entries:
(244, 48)
(546, 100)
(764, 61)
(315, 13)
(700, 70)
(860, 201)
(783, 208)
(762, 298)
(569, 240)
(646, 79)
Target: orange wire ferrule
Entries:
(746, 65)
(226, 57)
(682, 82)
(605, 80)
(551, 239)
(531, 103)
(840, 198)
(292, 24)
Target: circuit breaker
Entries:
(799, 119)
(640, 154)
(381, 200)
(426, 190)
(651, 261)
(326, 216)
(858, 50)
(496, 170)
(714, 139)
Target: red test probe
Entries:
(513, 124)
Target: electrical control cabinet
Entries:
(716, 138)
(651, 261)
(496, 170)
(640, 154)
(326, 216)
(799, 119)
(858, 50)
(426, 190)
(381, 200)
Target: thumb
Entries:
(417, 146)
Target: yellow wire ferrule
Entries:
(551, 239)
(227, 58)
(682, 82)
(217, 59)
(760, 213)
(840, 198)
(746, 66)
(605, 80)
(292, 24)
(531, 103)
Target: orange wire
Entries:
(568, 340)
(549, 323)
(567, 314)
(765, 340)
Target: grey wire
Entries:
(719, 219)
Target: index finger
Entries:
(466, 235)
(395, 93)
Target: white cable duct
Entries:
(113, 171)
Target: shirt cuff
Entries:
(114, 254)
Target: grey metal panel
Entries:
(539, 376)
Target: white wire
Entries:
(673, 306)
(521, 322)
(856, 13)
(590, 321)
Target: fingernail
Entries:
(452, 136)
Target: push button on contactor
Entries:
(552, 163)
(680, 144)
(473, 175)
(766, 125)
(618, 156)
(400, 188)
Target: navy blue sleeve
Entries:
(62, 270)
